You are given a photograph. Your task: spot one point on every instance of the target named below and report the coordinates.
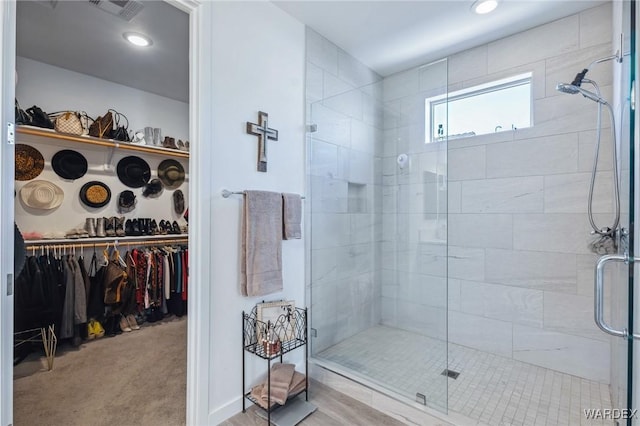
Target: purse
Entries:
(39, 118)
(67, 122)
(102, 126)
(120, 133)
(21, 115)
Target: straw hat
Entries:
(171, 173)
(29, 162)
(95, 194)
(41, 194)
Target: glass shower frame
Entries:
(378, 250)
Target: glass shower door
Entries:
(378, 212)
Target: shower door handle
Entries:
(599, 295)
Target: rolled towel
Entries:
(292, 216)
(281, 375)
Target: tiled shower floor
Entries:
(490, 388)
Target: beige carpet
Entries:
(136, 378)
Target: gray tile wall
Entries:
(345, 176)
(520, 270)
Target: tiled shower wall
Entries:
(520, 273)
(343, 101)
(521, 284)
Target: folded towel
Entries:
(261, 258)
(292, 216)
(259, 392)
(281, 375)
(298, 383)
(256, 393)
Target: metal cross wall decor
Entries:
(264, 133)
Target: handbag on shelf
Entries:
(121, 132)
(39, 118)
(102, 126)
(21, 115)
(67, 122)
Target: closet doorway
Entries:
(59, 166)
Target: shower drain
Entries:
(450, 373)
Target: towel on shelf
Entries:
(298, 383)
(261, 257)
(259, 392)
(281, 375)
(292, 216)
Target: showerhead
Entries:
(572, 89)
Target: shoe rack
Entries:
(29, 134)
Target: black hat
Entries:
(95, 194)
(133, 171)
(126, 201)
(171, 173)
(69, 164)
(153, 188)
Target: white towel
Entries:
(261, 257)
(292, 216)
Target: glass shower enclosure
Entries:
(378, 202)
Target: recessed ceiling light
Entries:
(484, 6)
(137, 39)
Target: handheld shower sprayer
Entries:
(607, 232)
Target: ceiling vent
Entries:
(124, 9)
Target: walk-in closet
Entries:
(101, 212)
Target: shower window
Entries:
(488, 108)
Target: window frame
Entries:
(477, 90)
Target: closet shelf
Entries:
(38, 133)
(141, 240)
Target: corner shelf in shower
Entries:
(294, 326)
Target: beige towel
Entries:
(261, 258)
(297, 383)
(281, 375)
(292, 216)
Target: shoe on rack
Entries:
(128, 227)
(153, 227)
(132, 322)
(180, 145)
(135, 228)
(110, 226)
(124, 325)
(100, 232)
(90, 226)
(119, 225)
(175, 228)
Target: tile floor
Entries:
(490, 388)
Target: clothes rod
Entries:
(112, 243)
(226, 193)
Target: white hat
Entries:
(41, 194)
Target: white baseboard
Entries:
(228, 410)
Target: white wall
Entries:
(55, 89)
(258, 53)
